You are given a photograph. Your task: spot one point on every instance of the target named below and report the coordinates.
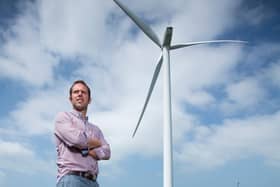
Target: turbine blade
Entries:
(145, 28)
(205, 42)
(154, 79)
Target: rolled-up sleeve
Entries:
(104, 151)
(69, 132)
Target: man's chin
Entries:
(80, 108)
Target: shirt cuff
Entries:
(100, 153)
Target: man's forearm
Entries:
(94, 143)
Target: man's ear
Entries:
(70, 98)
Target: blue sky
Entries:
(225, 98)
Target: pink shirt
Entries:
(71, 130)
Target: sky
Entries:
(225, 98)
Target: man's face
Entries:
(80, 97)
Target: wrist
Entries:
(85, 152)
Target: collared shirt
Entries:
(72, 130)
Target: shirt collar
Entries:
(79, 115)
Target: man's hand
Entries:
(93, 154)
(93, 143)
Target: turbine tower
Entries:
(165, 60)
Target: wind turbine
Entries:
(165, 60)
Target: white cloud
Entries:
(258, 14)
(197, 69)
(21, 158)
(243, 95)
(73, 28)
(204, 20)
(35, 115)
(251, 92)
(118, 129)
(272, 74)
(22, 55)
(261, 53)
(13, 149)
(233, 140)
(200, 98)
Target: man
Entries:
(79, 144)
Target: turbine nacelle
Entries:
(167, 37)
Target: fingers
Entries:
(93, 154)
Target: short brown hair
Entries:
(81, 82)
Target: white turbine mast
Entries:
(165, 60)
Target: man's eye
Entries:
(78, 91)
